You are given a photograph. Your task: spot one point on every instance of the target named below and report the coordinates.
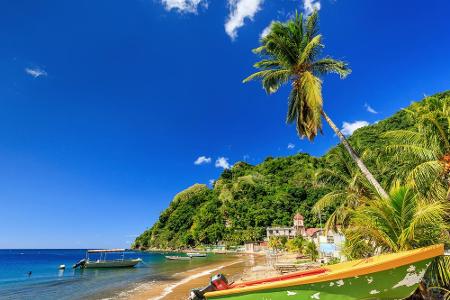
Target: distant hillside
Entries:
(247, 199)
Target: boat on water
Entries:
(388, 276)
(196, 254)
(177, 257)
(103, 262)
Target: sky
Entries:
(110, 108)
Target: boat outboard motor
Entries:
(81, 264)
(217, 283)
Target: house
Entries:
(329, 243)
(289, 232)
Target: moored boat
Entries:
(102, 262)
(177, 257)
(196, 254)
(389, 276)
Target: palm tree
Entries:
(290, 54)
(426, 147)
(311, 250)
(404, 221)
(297, 244)
(275, 243)
(349, 190)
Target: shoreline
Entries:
(180, 285)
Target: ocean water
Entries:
(47, 282)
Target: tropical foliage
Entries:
(424, 151)
(311, 250)
(296, 244)
(401, 222)
(349, 189)
(246, 199)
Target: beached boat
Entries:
(102, 262)
(389, 276)
(196, 254)
(177, 257)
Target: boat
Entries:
(196, 254)
(102, 262)
(177, 257)
(388, 276)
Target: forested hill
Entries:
(247, 199)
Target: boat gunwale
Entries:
(393, 260)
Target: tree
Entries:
(426, 148)
(311, 250)
(290, 54)
(275, 243)
(296, 244)
(349, 190)
(404, 221)
(401, 222)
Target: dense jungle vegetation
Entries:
(246, 199)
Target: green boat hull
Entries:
(396, 283)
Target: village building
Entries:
(291, 232)
(329, 243)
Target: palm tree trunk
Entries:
(356, 158)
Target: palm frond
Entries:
(330, 65)
(331, 199)
(311, 50)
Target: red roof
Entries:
(298, 217)
(312, 231)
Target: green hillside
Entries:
(247, 199)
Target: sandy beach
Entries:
(244, 267)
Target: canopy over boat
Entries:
(106, 250)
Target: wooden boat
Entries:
(177, 257)
(102, 262)
(389, 276)
(196, 254)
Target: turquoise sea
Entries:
(47, 282)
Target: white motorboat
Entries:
(177, 257)
(196, 254)
(102, 262)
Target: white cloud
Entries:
(239, 11)
(290, 146)
(370, 109)
(184, 6)
(211, 182)
(310, 5)
(266, 30)
(349, 128)
(222, 162)
(35, 72)
(202, 160)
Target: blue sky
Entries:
(105, 106)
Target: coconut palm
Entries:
(401, 222)
(425, 150)
(290, 55)
(404, 221)
(349, 190)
